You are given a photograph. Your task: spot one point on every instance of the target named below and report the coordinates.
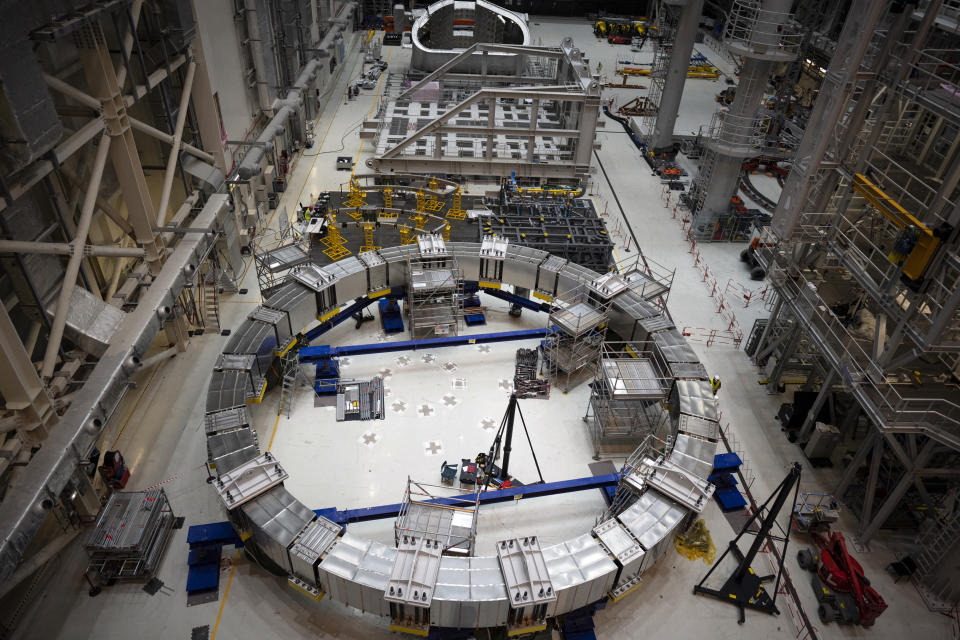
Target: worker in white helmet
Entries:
(715, 384)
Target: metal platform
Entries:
(130, 535)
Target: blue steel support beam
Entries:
(199, 533)
(526, 303)
(324, 352)
(359, 305)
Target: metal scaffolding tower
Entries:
(626, 397)
(762, 33)
(435, 293)
(868, 227)
(578, 323)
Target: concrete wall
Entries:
(221, 46)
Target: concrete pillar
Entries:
(676, 74)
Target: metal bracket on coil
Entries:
(676, 482)
(609, 285)
(249, 480)
(493, 247)
(415, 571)
(313, 277)
(525, 572)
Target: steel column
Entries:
(21, 387)
(73, 265)
(825, 390)
(102, 79)
(848, 474)
(871, 489)
(175, 145)
(676, 74)
(867, 532)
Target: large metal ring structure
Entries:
(443, 13)
(518, 587)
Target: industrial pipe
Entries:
(256, 53)
(37, 560)
(65, 249)
(73, 265)
(250, 166)
(166, 354)
(175, 144)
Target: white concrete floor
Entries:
(159, 431)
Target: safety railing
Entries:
(936, 416)
(761, 31)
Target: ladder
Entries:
(210, 298)
(291, 377)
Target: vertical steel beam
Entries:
(208, 117)
(867, 531)
(851, 471)
(871, 489)
(73, 265)
(102, 79)
(825, 390)
(774, 380)
(175, 145)
(858, 30)
(676, 73)
(21, 387)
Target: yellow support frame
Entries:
(927, 243)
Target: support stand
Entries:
(744, 588)
(506, 431)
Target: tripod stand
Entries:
(504, 439)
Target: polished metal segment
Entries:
(469, 593)
(249, 480)
(693, 454)
(652, 520)
(355, 572)
(414, 575)
(581, 571)
(525, 572)
(696, 398)
(230, 449)
(275, 519)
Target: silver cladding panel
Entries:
(652, 520)
(355, 572)
(696, 398)
(276, 519)
(470, 593)
(311, 546)
(227, 390)
(230, 449)
(625, 549)
(581, 570)
(376, 270)
(693, 454)
(299, 303)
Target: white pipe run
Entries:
(73, 265)
(175, 144)
(286, 107)
(64, 249)
(166, 354)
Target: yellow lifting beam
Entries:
(927, 242)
